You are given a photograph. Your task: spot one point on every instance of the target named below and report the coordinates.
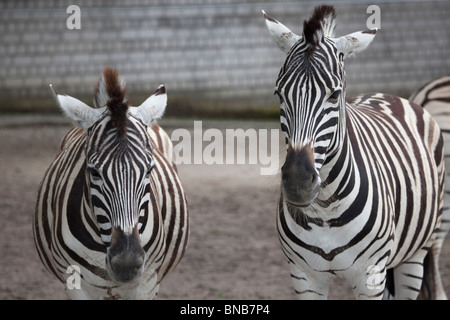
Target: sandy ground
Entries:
(233, 251)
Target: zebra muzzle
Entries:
(300, 181)
(125, 256)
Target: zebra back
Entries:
(434, 96)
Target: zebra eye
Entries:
(149, 170)
(95, 175)
(334, 97)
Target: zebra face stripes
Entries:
(362, 184)
(118, 171)
(118, 161)
(311, 88)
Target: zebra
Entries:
(434, 96)
(111, 209)
(362, 184)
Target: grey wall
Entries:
(212, 55)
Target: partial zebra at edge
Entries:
(434, 96)
(362, 186)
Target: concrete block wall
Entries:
(211, 53)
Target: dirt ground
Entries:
(233, 252)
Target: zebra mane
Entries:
(321, 24)
(111, 91)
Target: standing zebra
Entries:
(362, 183)
(434, 96)
(111, 207)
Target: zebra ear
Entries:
(153, 108)
(355, 42)
(283, 37)
(80, 113)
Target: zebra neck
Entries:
(339, 175)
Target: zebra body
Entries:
(320, 238)
(112, 205)
(362, 184)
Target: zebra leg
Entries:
(309, 287)
(369, 285)
(408, 277)
(432, 287)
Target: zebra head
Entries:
(119, 159)
(311, 88)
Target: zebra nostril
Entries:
(125, 268)
(315, 180)
(125, 257)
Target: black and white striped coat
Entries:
(362, 186)
(111, 205)
(434, 96)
